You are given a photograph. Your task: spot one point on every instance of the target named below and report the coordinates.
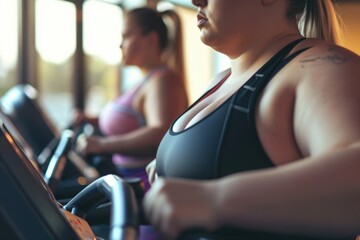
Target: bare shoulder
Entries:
(327, 96)
(325, 65)
(166, 84)
(322, 56)
(165, 79)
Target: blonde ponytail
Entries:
(173, 54)
(316, 19)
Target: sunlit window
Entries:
(55, 42)
(8, 43)
(102, 31)
(102, 38)
(55, 25)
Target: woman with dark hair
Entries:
(134, 123)
(273, 145)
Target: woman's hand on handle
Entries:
(88, 145)
(174, 206)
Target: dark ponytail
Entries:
(167, 25)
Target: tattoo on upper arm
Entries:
(332, 57)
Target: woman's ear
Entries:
(153, 38)
(267, 2)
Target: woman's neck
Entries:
(258, 52)
(150, 69)
(151, 66)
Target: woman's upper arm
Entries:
(327, 109)
(164, 100)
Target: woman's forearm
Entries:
(315, 196)
(141, 142)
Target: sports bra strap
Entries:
(243, 111)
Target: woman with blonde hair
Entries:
(272, 147)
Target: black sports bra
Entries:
(226, 140)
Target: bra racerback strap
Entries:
(242, 111)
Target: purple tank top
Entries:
(119, 116)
